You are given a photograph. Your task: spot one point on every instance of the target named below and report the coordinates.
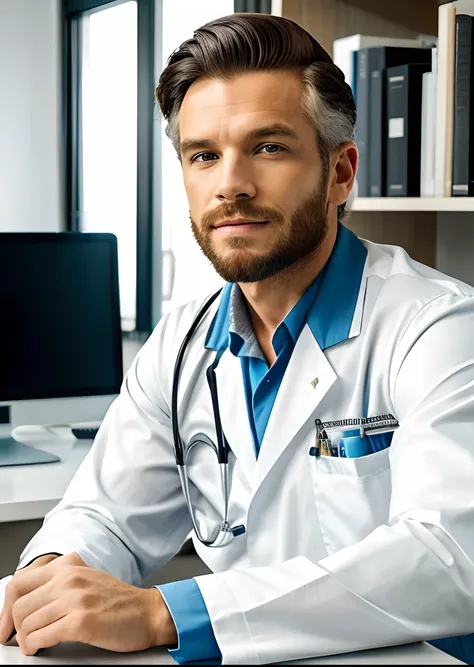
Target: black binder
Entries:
(403, 160)
(463, 140)
(379, 60)
(371, 115)
(362, 126)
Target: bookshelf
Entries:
(434, 231)
(402, 204)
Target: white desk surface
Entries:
(80, 654)
(29, 492)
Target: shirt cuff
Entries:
(196, 640)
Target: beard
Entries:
(300, 236)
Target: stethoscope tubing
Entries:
(225, 532)
(177, 442)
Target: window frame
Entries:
(148, 226)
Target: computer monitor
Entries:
(60, 333)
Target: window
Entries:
(187, 273)
(109, 138)
(110, 68)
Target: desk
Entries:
(80, 654)
(29, 492)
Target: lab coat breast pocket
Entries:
(352, 496)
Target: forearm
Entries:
(124, 510)
(382, 591)
(76, 530)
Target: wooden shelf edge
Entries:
(401, 204)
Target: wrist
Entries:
(163, 628)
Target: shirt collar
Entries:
(328, 305)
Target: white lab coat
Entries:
(339, 554)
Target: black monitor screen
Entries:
(60, 331)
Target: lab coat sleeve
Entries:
(196, 640)
(124, 510)
(409, 580)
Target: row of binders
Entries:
(415, 108)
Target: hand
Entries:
(7, 628)
(65, 600)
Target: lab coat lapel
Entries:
(233, 409)
(307, 379)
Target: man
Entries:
(345, 536)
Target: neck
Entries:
(271, 300)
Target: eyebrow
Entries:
(276, 129)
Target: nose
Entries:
(235, 181)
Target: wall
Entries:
(30, 85)
(455, 247)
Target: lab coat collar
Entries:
(218, 333)
(306, 381)
(332, 319)
(335, 314)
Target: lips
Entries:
(238, 221)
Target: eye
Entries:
(203, 157)
(272, 149)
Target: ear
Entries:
(343, 171)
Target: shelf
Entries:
(437, 204)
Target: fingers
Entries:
(8, 630)
(25, 581)
(22, 583)
(35, 621)
(49, 635)
(32, 602)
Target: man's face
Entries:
(250, 155)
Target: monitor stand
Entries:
(14, 453)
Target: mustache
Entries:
(242, 209)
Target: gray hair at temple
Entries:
(239, 43)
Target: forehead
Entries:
(214, 107)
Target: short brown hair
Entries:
(239, 43)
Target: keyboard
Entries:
(84, 432)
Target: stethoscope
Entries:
(223, 533)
